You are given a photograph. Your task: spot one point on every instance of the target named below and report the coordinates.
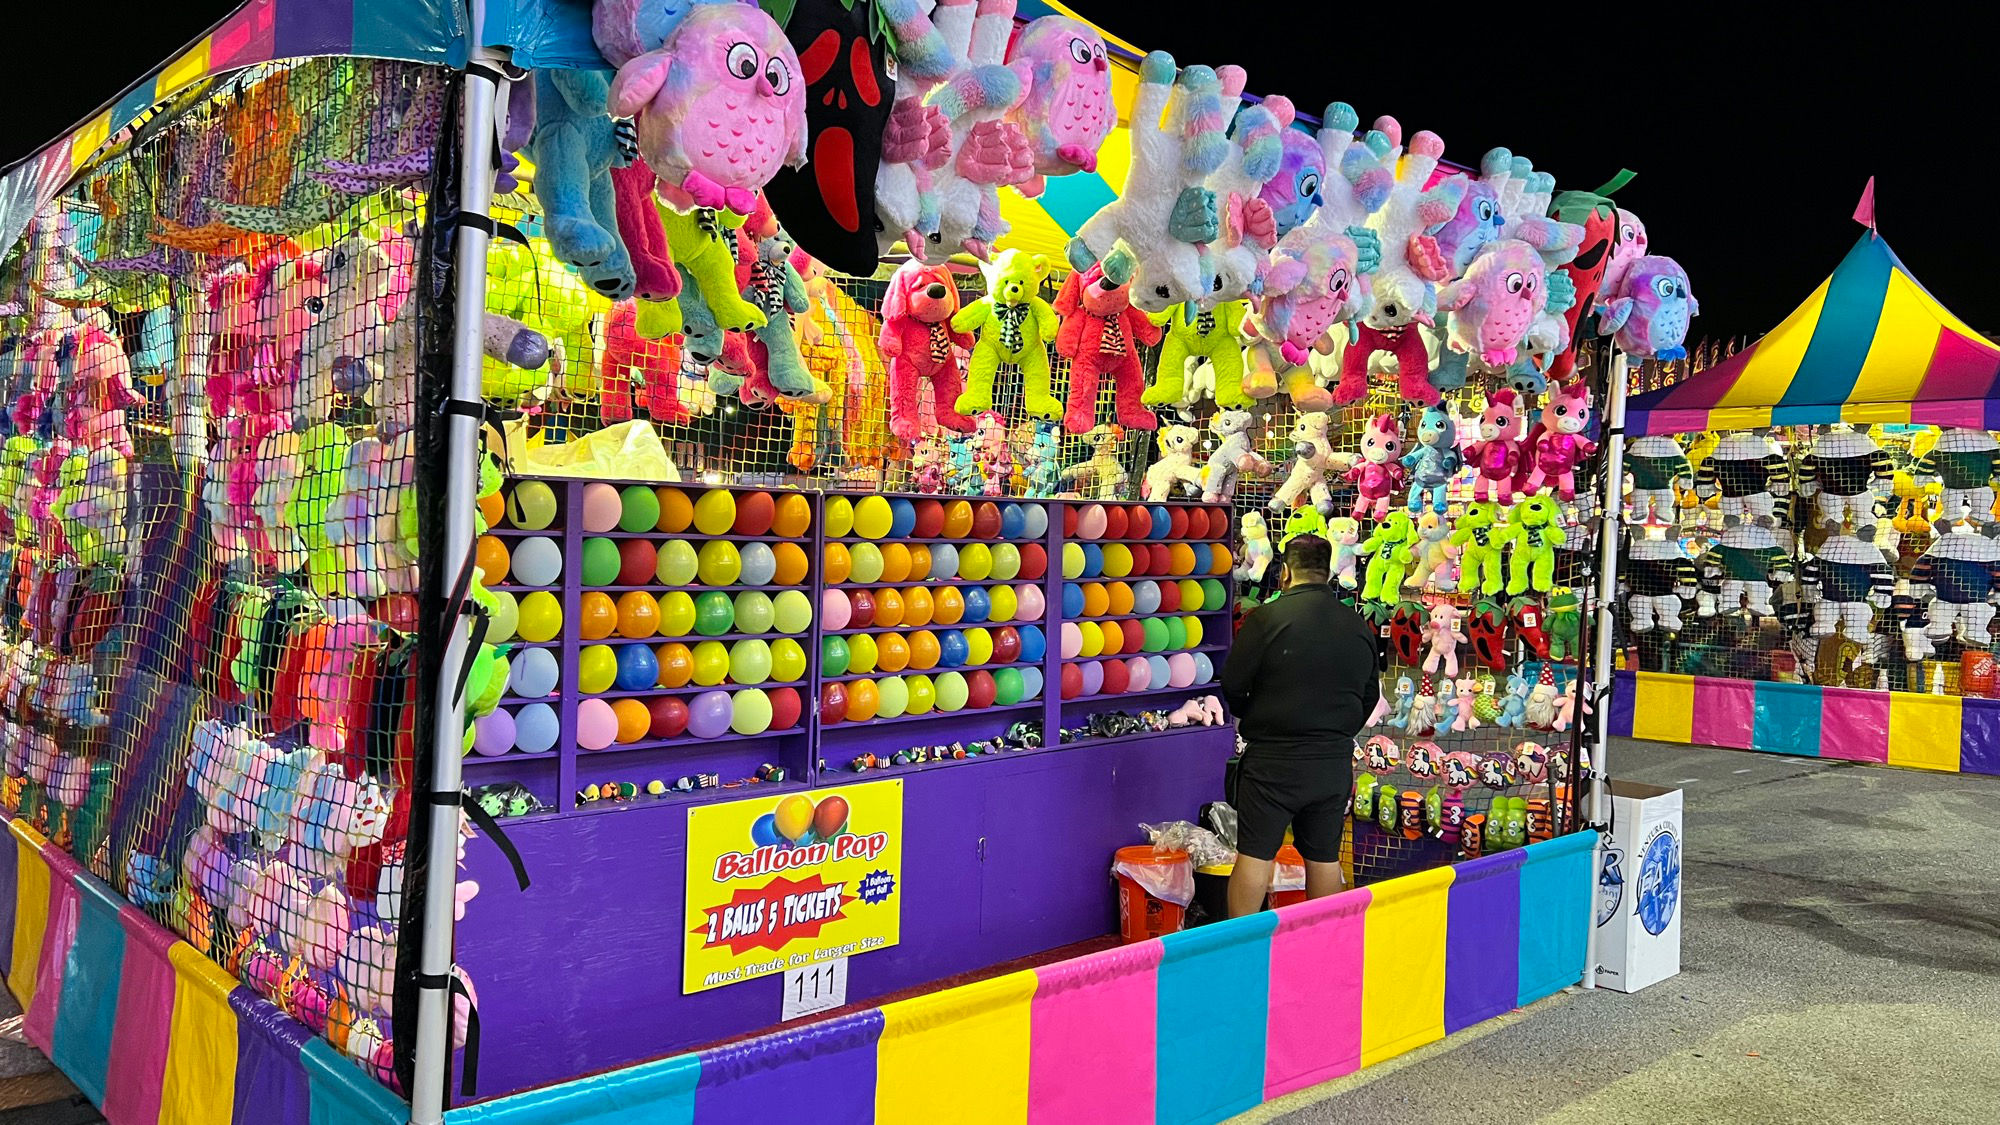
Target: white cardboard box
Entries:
(1639, 889)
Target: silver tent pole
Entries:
(1611, 532)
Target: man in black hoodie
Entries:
(1301, 679)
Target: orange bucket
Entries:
(1288, 856)
(1975, 673)
(1140, 915)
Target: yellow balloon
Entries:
(788, 660)
(541, 617)
(794, 816)
(678, 564)
(979, 646)
(839, 516)
(1093, 638)
(866, 559)
(711, 663)
(861, 654)
(719, 563)
(676, 614)
(596, 669)
(872, 517)
(715, 512)
(1193, 631)
(975, 562)
(1002, 603)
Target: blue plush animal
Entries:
(1514, 709)
(1406, 697)
(1435, 459)
(1044, 458)
(573, 148)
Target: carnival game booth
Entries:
(1812, 573)
(481, 578)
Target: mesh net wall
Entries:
(207, 661)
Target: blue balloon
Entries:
(1204, 668)
(1158, 664)
(944, 560)
(536, 728)
(1204, 558)
(902, 518)
(1031, 683)
(1093, 676)
(1034, 646)
(1072, 604)
(1035, 521)
(951, 648)
(1145, 597)
(638, 668)
(977, 606)
(764, 833)
(1013, 522)
(1093, 560)
(1163, 522)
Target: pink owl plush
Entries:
(1496, 302)
(1312, 282)
(720, 106)
(1066, 111)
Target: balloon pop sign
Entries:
(779, 882)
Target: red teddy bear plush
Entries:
(918, 339)
(1100, 334)
(639, 372)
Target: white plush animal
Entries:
(1176, 464)
(1233, 455)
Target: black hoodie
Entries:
(1301, 676)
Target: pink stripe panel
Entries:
(1960, 368)
(1725, 712)
(1315, 1027)
(1854, 724)
(245, 37)
(38, 1027)
(140, 1033)
(1676, 421)
(1091, 1038)
(1970, 413)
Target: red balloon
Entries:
(1135, 636)
(1141, 524)
(864, 607)
(1142, 559)
(1177, 522)
(1034, 562)
(754, 513)
(1069, 530)
(785, 707)
(397, 611)
(832, 704)
(1170, 596)
(1006, 645)
(930, 519)
(1117, 677)
(637, 562)
(1218, 524)
(979, 689)
(1072, 681)
(1158, 558)
(1115, 522)
(985, 520)
(669, 716)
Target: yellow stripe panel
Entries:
(1905, 336)
(200, 1085)
(1938, 312)
(183, 72)
(1033, 230)
(1663, 709)
(84, 143)
(959, 1055)
(1402, 967)
(31, 913)
(1777, 357)
(1066, 10)
(1876, 413)
(1726, 418)
(1924, 731)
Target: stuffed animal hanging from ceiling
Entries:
(1248, 230)
(988, 151)
(922, 346)
(1066, 110)
(1598, 216)
(1313, 281)
(916, 139)
(1494, 304)
(1405, 283)
(1100, 335)
(1647, 310)
(574, 148)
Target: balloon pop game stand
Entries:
(761, 731)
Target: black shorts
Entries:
(1308, 795)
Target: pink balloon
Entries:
(596, 724)
(1089, 522)
(1139, 674)
(1028, 602)
(835, 610)
(1072, 640)
(1180, 669)
(601, 507)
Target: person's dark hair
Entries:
(1308, 558)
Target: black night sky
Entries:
(1752, 137)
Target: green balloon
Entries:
(600, 561)
(754, 612)
(750, 662)
(677, 563)
(713, 614)
(833, 656)
(1212, 595)
(894, 695)
(1008, 686)
(952, 692)
(1176, 634)
(792, 612)
(642, 508)
(1156, 634)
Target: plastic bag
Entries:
(627, 451)
(1168, 882)
(1201, 845)
(1288, 877)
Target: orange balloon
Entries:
(791, 560)
(950, 606)
(638, 615)
(862, 700)
(1180, 559)
(920, 562)
(1119, 595)
(676, 664)
(917, 607)
(895, 562)
(836, 566)
(1114, 640)
(1096, 603)
(888, 607)
(793, 517)
(924, 652)
(633, 719)
(597, 616)
(957, 519)
(1221, 563)
(676, 510)
(892, 652)
(492, 508)
(491, 556)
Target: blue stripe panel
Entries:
(1811, 414)
(1623, 688)
(271, 1082)
(657, 1093)
(82, 1035)
(421, 30)
(136, 101)
(1072, 200)
(342, 1094)
(1556, 883)
(1787, 719)
(1845, 330)
(829, 1066)
(1481, 949)
(1214, 1009)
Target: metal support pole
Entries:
(485, 105)
(1611, 531)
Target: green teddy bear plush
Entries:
(1209, 334)
(1479, 536)
(1014, 325)
(1535, 531)
(1389, 557)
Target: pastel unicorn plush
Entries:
(916, 138)
(1065, 110)
(1556, 446)
(1345, 534)
(1248, 230)
(1233, 456)
(991, 453)
(1175, 469)
(1436, 458)
(1496, 455)
(1437, 559)
(1379, 472)
(1313, 459)
(1412, 265)
(1014, 325)
(922, 347)
(1314, 282)
(1257, 552)
(1100, 335)
(988, 151)
(1648, 309)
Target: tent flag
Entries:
(1869, 345)
(1864, 211)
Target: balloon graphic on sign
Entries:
(794, 817)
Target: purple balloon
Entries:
(493, 735)
(1139, 674)
(1093, 676)
(709, 714)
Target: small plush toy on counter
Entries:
(1658, 468)
(1234, 455)
(1848, 475)
(1100, 335)
(1745, 473)
(991, 453)
(1014, 325)
(922, 347)
(1648, 310)
(1965, 462)
(1435, 460)
(1379, 472)
(1557, 446)
(1175, 471)
(1313, 458)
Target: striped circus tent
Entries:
(1870, 345)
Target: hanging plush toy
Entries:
(1043, 470)
(1496, 455)
(1556, 445)
(1234, 455)
(1961, 575)
(1534, 529)
(987, 150)
(916, 139)
(573, 147)
(1628, 245)
(1165, 212)
(639, 227)
(1102, 472)
(1405, 292)
(1313, 283)
(1435, 460)
(1599, 218)
(777, 288)
(720, 106)
(1175, 470)
(1100, 335)
(1066, 110)
(1745, 472)
(1293, 194)
(1257, 553)
(1966, 463)
(918, 338)
(1345, 535)
(1437, 559)
(1478, 537)
(1496, 301)
(1014, 326)
(1658, 468)
(1248, 230)
(1849, 474)
(1648, 312)
(991, 454)
(1478, 220)
(1852, 580)
(1743, 566)
(1389, 557)
(1197, 335)
(1379, 471)
(1313, 459)
(1445, 636)
(639, 374)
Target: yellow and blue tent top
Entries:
(1870, 345)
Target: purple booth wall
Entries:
(1002, 858)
